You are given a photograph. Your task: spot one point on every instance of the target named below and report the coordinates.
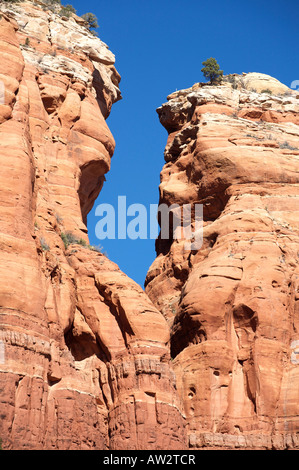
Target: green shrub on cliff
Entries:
(69, 238)
(52, 2)
(211, 70)
(67, 11)
(91, 20)
(44, 244)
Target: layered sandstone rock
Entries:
(87, 360)
(84, 354)
(233, 305)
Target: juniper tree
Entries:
(91, 20)
(67, 10)
(211, 70)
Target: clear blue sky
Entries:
(159, 47)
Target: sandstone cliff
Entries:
(84, 357)
(233, 305)
(208, 356)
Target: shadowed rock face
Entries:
(232, 306)
(84, 360)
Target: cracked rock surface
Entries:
(206, 357)
(85, 357)
(232, 306)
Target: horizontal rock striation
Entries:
(84, 354)
(207, 358)
(232, 306)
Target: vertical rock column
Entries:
(232, 306)
(84, 354)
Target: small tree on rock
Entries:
(67, 11)
(211, 70)
(91, 20)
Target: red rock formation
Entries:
(233, 305)
(80, 368)
(84, 353)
